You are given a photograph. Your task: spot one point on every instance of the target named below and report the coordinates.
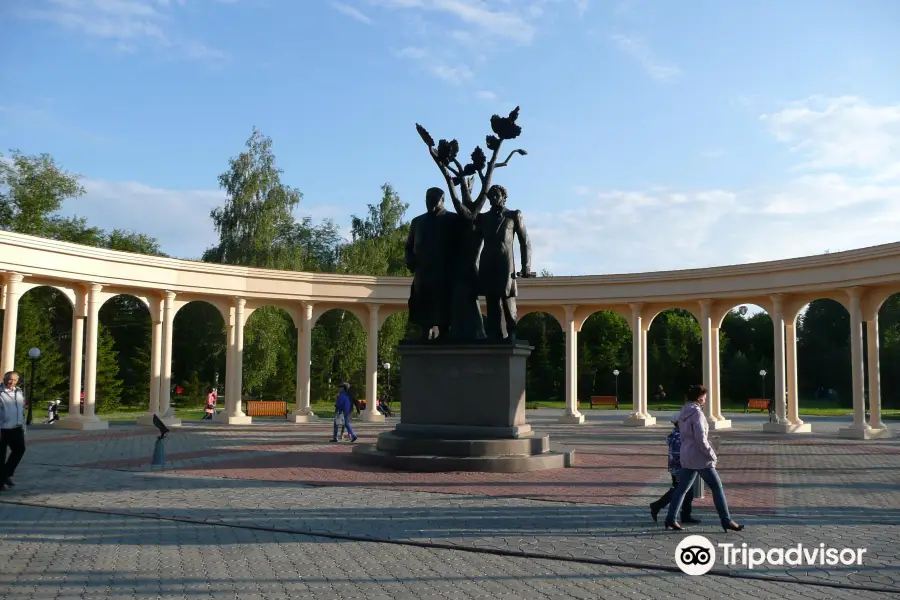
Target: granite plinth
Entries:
(463, 410)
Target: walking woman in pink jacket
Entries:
(698, 458)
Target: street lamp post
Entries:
(33, 355)
(616, 375)
(762, 376)
(387, 368)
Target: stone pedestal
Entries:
(224, 418)
(864, 433)
(81, 424)
(305, 416)
(786, 428)
(463, 410)
(639, 421)
(716, 425)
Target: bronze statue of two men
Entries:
(455, 257)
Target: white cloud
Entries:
(640, 52)
(179, 219)
(130, 24)
(455, 74)
(846, 196)
(487, 95)
(353, 13)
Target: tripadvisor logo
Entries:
(696, 555)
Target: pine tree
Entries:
(35, 330)
(109, 386)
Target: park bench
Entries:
(757, 404)
(267, 408)
(604, 401)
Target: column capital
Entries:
(373, 309)
(777, 301)
(636, 308)
(307, 310)
(570, 310)
(169, 295)
(94, 288)
(855, 292)
(11, 277)
(239, 302)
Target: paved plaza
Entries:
(272, 510)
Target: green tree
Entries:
(35, 188)
(35, 330)
(108, 394)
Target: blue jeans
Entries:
(686, 479)
(346, 418)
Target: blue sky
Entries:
(661, 135)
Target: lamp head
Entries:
(762, 373)
(616, 372)
(163, 430)
(34, 353)
(387, 366)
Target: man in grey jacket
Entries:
(12, 428)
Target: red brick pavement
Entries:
(90, 437)
(603, 474)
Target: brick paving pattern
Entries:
(271, 485)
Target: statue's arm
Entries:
(524, 242)
(411, 247)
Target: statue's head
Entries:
(434, 199)
(497, 196)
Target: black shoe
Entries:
(9, 483)
(674, 525)
(690, 519)
(732, 526)
(654, 511)
(353, 439)
(332, 440)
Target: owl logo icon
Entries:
(695, 555)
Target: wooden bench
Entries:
(267, 408)
(758, 404)
(604, 401)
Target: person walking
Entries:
(674, 442)
(12, 428)
(697, 458)
(342, 409)
(211, 399)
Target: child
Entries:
(674, 441)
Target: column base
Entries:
(867, 433)
(786, 428)
(639, 421)
(371, 417)
(232, 420)
(303, 417)
(723, 424)
(576, 419)
(148, 421)
(82, 424)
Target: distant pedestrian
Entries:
(674, 442)
(697, 458)
(211, 399)
(342, 409)
(12, 428)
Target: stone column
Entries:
(78, 313)
(156, 335)
(858, 429)
(10, 321)
(234, 414)
(165, 377)
(89, 419)
(302, 412)
(645, 406)
(706, 356)
(781, 425)
(879, 429)
(571, 414)
(719, 422)
(231, 395)
(371, 414)
(638, 418)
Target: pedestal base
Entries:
(228, 420)
(82, 424)
(635, 421)
(786, 428)
(856, 433)
(463, 410)
(148, 421)
(396, 451)
(572, 419)
(371, 417)
(303, 417)
(716, 425)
